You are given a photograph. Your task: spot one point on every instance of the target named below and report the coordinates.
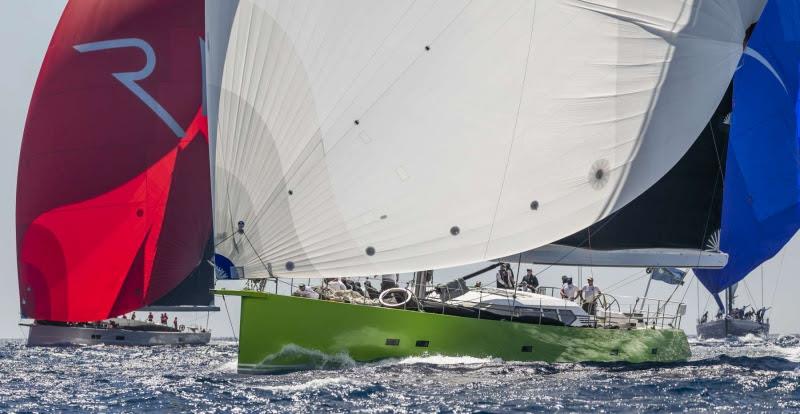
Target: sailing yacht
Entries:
(113, 195)
(733, 322)
(353, 138)
(761, 203)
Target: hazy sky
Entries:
(26, 28)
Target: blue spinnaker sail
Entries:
(761, 200)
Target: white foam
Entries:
(792, 354)
(230, 366)
(446, 360)
(314, 384)
(752, 338)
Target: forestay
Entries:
(377, 136)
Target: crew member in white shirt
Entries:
(305, 293)
(569, 291)
(335, 284)
(589, 295)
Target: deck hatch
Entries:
(654, 351)
(423, 344)
(392, 341)
(615, 352)
(527, 348)
(120, 337)
(96, 336)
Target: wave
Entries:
(292, 355)
(444, 360)
(312, 385)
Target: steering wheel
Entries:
(405, 291)
(606, 302)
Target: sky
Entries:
(26, 27)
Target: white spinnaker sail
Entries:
(358, 137)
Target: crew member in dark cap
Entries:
(529, 281)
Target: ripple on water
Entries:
(721, 376)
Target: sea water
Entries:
(722, 376)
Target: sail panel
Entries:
(674, 221)
(113, 201)
(761, 203)
(368, 137)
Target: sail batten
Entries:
(367, 137)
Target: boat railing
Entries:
(608, 311)
(639, 310)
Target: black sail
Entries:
(195, 292)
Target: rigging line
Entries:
(230, 322)
(663, 308)
(708, 220)
(778, 279)
(713, 194)
(224, 240)
(627, 279)
(513, 131)
(716, 150)
(564, 256)
(692, 280)
(267, 268)
(697, 296)
(762, 284)
(747, 288)
(708, 298)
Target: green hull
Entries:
(279, 333)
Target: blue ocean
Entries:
(722, 376)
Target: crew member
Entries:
(530, 281)
(175, 322)
(589, 294)
(389, 281)
(305, 293)
(372, 293)
(335, 284)
(505, 279)
(569, 291)
(760, 315)
(150, 317)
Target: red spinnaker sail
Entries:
(113, 190)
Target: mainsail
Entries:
(761, 203)
(113, 200)
(366, 136)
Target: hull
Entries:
(280, 333)
(53, 335)
(722, 328)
